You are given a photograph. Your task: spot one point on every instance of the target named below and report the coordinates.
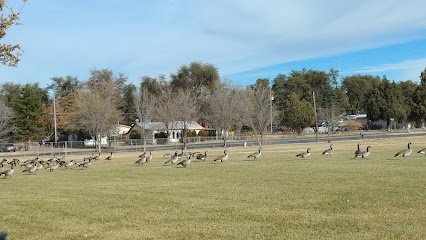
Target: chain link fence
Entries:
(117, 145)
(136, 145)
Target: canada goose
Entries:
(222, 158)
(86, 164)
(52, 159)
(167, 155)
(255, 155)
(329, 151)
(365, 154)
(62, 163)
(202, 156)
(39, 166)
(27, 161)
(423, 151)
(52, 167)
(97, 157)
(186, 161)
(110, 157)
(15, 162)
(195, 154)
(68, 164)
(173, 159)
(141, 160)
(4, 161)
(31, 170)
(28, 165)
(404, 153)
(357, 152)
(142, 155)
(8, 173)
(180, 155)
(149, 158)
(304, 154)
(1, 166)
(82, 162)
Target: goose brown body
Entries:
(304, 154)
(404, 153)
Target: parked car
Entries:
(8, 147)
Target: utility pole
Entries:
(271, 98)
(316, 118)
(54, 117)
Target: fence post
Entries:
(65, 148)
(38, 149)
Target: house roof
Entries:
(354, 117)
(175, 125)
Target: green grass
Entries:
(277, 197)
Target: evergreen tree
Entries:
(298, 114)
(408, 88)
(28, 119)
(128, 108)
(357, 88)
(386, 101)
(419, 99)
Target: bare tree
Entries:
(107, 85)
(5, 117)
(185, 110)
(144, 107)
(259, 111)
(95, 115)
(224, 106)
(164, 111)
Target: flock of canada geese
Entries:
(32, 166)
(364, 154)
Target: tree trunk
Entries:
(143, 138)
(98, 142)
(185, 131)
(329, 137)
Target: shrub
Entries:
(353, 125)
(192, 133)
(203, 133)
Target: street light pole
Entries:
(316, 117)
(54, 117)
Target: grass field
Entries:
(277, 197)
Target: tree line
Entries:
(92, 108)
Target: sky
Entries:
(244, 39)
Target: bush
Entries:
(353, 125)
(203, 133)
(161, 135)
(192, 133)
(134, 135)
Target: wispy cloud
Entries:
(409, 69)
(149, 37)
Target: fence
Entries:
(118, 145)
(136, 145)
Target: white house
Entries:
(175, 128)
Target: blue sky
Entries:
(244, 39)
